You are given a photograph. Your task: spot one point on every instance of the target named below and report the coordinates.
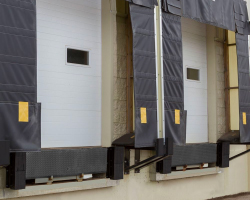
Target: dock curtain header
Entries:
(144, 3)
(227, 14)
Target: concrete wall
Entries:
(220, 81)
(138, 186)
(120, 77)
(232, 180)
(108, 58)
(114, 74)
(216, 84)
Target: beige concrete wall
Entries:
(114, 73)
(216, 85)
(220, 81)
(232, 180)
(108, 58)
(120, 76)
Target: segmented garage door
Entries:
(70, 94)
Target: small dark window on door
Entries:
(79, 57)
(193, 74)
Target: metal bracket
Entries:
(137, 159)
(164, 166)
(50, 180)
(127, 161)
(115, 164)
(16, 171)
(240, 154)
(223, 154)
(146, 162)
(163, 151)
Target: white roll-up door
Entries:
(70, 93)
(195, 80)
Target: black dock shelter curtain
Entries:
(18, 75)
(172, 6)
(18, 51)
(241, 17)
(145, 92)
(218, 13)
(144, 3)
(244, 86)
(242, 48)
(142, 17)
(23, 137)
(227, 14)
(175, 115)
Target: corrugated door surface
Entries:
(70, 95)
(195, 91)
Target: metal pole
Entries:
(156, 68)
(162, 75)
(238, 155)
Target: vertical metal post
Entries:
(156, 70)
(16, 171)
(223, 151)
(162, 74)
(137, 159)
(127, 161)
(115, 163)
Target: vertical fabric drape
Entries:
(18, 57)
(145, 3)
(144, 68)
(244, 86)
(173, 78)
(18, 75)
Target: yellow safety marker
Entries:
(23, 112)
(244, 116)
(177, 117)
(143, 115)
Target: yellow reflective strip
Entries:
(143, 115)
(177, 117)
(23, 112)
(244, 116)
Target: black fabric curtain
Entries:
(172, 6)
(22, 136)
(242, 29)
(244, 86)
(241, 17)
(18, 51)
(144, 68)
(173, 78)
(145, 3)
(18, 74)
(218, 13)
(228, 14)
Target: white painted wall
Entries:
(70, 95)
(195, 92)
